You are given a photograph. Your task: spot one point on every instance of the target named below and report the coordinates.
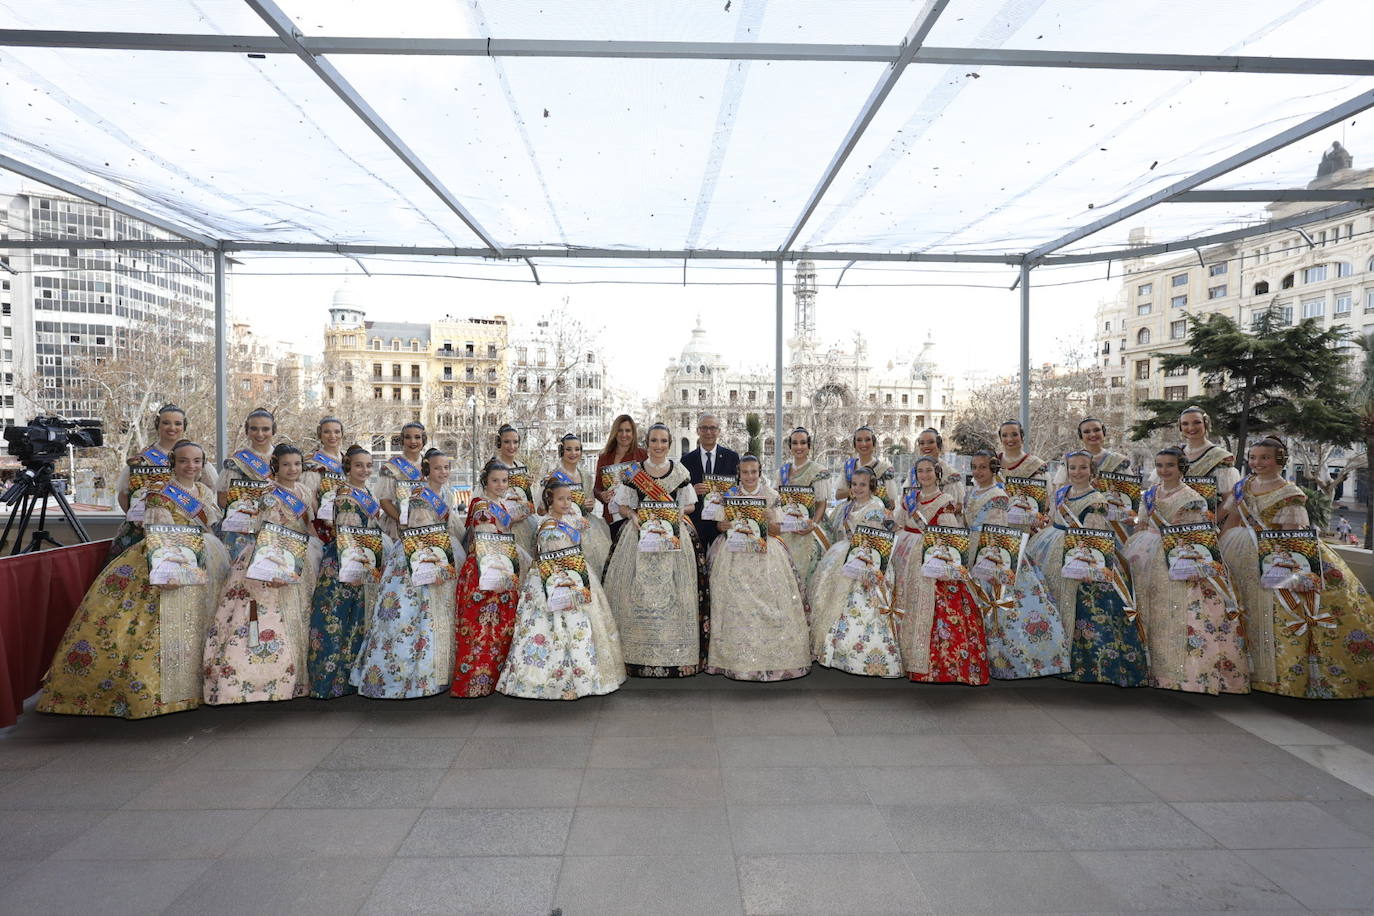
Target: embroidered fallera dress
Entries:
(566, 653)
(758, 615)
(851, 621)
(1194, 627)
(596, 534)
(339, 610)
(886, 488)
(132, 649)
(256, 646)
(485, 619)
(1321, 649)
(245, 464)
(806, 549)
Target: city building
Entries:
(829, 388)
(1325, 272)
(558, 385)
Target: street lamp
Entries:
(472, 406)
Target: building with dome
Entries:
(830, 388)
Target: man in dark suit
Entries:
(709, 457)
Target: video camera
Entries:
(45, 439)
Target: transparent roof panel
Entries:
(1282, 28)
(246, 149)
(178, 17)
(853, 21)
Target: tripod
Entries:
(34, 488)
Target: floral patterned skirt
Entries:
(408, 649)
(251, 650)
(129, 534)
(958, 645)
(1106, 647)
(485, 625)
(338, 618)
(1026, 638)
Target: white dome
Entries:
(348, 297)
(698, 351)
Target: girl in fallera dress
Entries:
(1015, 460)
(758, 615)
(930, 444)
(404, 468)
(338, 610)
(660, 599)
(884, 484)
(1092, 437)
(621, 446)
(251, 463)
(1105, 642)
(486, 617)
(327, 459)
(408, 648)
(596, 534)
(566, 645)
(133, 649)
(1026, 636)
(1205, 457)
(170, 425)
(1302, 644)
(806, 547)
(257, 645)
(942, 635)
(520, 504)
(1193, 626)
(852, 626)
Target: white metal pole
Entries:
(777, 371)
(1025, 345)
(221, 367)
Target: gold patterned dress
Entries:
(1320, 649)
(133, 649)
(852, 625)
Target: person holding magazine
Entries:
(1318, 643)
(1205, 457)
(154, 466)
(256, 646)
(247, 476)
(1106, 645)
(709, 459)
(804, 489)
(596, 534)
(1025, 633)
(1092, 436)
(408, 650)
(930, 444)
(1014, 459)
(520, 494)
(566, 645)
(324, 470)
(350, 573)
(621, 447)
(853, 626)
(400, 478)
(656, 578)
(758, 613)
(884, 483)
(133, 649)
(941, 628)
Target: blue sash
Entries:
(850, 466)
(1061, 494)
(405, 467)
(156, 456)
(1149, 500)
(909, 499)
(329, 464)
(289, 500)
(435, 502)
(254, 462)
(499, 512)
(186, 501)
(1239, 491)
(573, 534)
(785, 473)
(364, 500)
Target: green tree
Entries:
(754, 426)
(1274, 377)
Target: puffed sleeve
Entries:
(1292, 516)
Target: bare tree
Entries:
(558, 383)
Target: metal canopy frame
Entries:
(311, 50)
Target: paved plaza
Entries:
(830, 794)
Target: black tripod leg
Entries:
(75, 523)
(25, 516)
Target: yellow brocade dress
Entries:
(133, 649)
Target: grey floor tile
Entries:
(1271, 825)
(155, 755)
(676, 787)
(1157, 749)
(298, 725)
(905, 750)
(524, 753)
(1188, 880)
(36, 834)
(364, 789)
(771, 719)
(1333, 879)
(934, 785)
(781, 751)
(1101, 719)
(311, 832)
(216, 789)
(960, 828)
(43, 789)
(454, 886)
(793, 786)
(998, 721)
(644, 723)
(894, 720)
(898, 695)
(611, 831)
(512, 788)
(689, 751)
(866, 883)
(457, 720)
(1142, 825)
(1006, 882)
(779, 829)
(263, 754)
(123, 888)
(537, 720)
(160, 835)
(1209, 782)
(393, 754)
(1355, 814)
(490, 831)
(636, 885)
(13, 869)
(1311, 784)
(299, 886)
(22, 754)
(1072, 782)
(1022, 750)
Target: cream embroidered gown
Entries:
(806, 549)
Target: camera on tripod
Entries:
(45, 439)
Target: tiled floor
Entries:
(831, 794)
